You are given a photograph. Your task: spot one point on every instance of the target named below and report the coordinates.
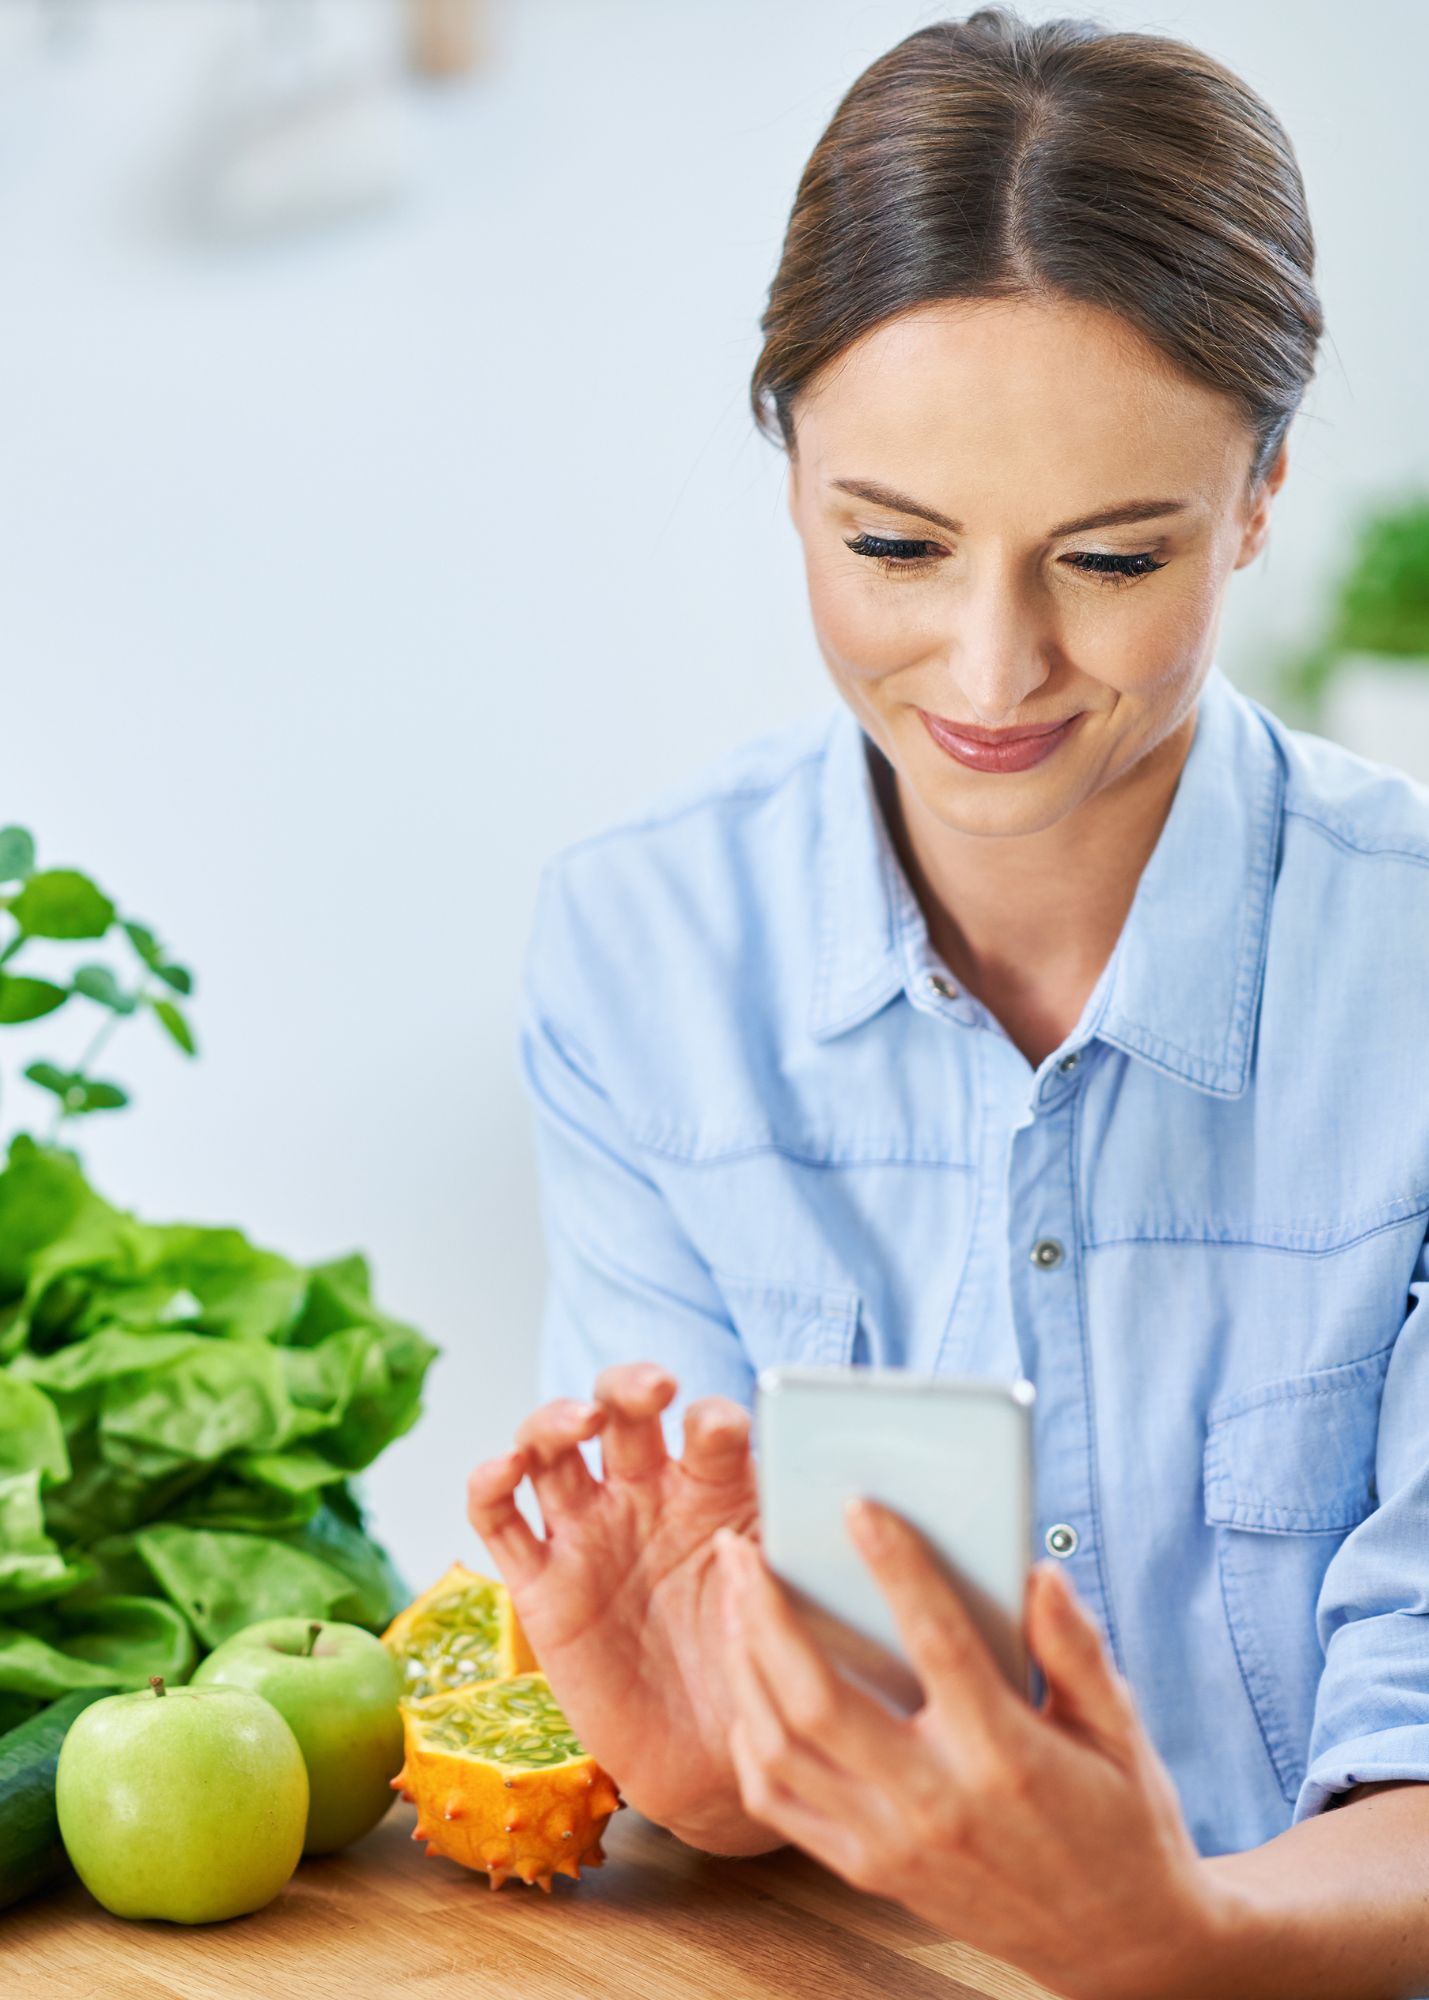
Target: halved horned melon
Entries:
(501, 1784)
(462, 1631)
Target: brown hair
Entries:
(993, 159)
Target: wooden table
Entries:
(657, 1922)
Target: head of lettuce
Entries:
(181, 1414)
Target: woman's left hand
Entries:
(1050, 1837)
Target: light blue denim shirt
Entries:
(770, 1128)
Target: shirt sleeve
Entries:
(1372, 1706)
(623, 1280)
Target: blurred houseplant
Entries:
(1365, 681)
(182, 1413)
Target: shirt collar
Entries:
(1182, 988)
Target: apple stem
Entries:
(313, 1631)
(156, 1682)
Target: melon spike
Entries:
(570, 1866)
(400, 1779)
(420, 1833)
(498, 1876)
(432, 1848)
(545, 1882)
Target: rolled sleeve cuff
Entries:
(1364, 1760)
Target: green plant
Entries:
(1381, 604)
(183, 1412)
(61, 903)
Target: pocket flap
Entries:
(1297, 1456)
(791, 1322)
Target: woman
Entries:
(1049, 1009)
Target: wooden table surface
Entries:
(658, 1921)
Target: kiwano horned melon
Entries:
(500, 1782)
(461, 1631)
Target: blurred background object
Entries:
(445, 36)
(304, 123)
(352, 567)
(1365, 678)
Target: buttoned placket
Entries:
(1048, 1319)
(1046, 1290)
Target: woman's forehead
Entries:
(1057, 397)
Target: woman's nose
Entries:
(999, 648)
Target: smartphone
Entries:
(951, 1454)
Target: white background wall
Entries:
(345, 576)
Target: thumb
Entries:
(1084, 1688)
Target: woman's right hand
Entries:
(622, 1599)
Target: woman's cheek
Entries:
(866, 631)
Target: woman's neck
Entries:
(1027, 923)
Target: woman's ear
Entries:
(1257, 528)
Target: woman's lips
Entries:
(998, 750)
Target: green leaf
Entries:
(51, 1219)
(366, 1564)
(31, 1437)
(177, 1026)
(76, 1091)
(30, 1665)
(28, 999)
(99, 1097)
(61, 903)
(132, 1637)
(223, 1581)
(177, 976)
(17, 854)
(144, 942)
(31, 1565)
(97, 982)
(49, 1078)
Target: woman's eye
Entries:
(1115, 569)
(891, 555)
(894, 555)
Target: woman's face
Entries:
(978, 435)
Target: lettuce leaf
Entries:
(182, 1413)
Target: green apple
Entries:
(337, 1687)
(187, 1803)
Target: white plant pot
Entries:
(1380, 707)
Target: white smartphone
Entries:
(951, 1454)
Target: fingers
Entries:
(631, 1396)
(764, 1798)
(790, 1683)
(716, 1440)
(1083, 1685)
(949, 1655)
(491, 1508)
(551, 1438)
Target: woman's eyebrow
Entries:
(884, 496)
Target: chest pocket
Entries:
(779, 1322)
(1288, 1472)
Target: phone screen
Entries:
(952, 1455)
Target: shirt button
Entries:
(1061, 1539)
(941, 986)
(1070, 1062)
(1047, 1253)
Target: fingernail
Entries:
(869, 1523)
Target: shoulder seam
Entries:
(1368, 848)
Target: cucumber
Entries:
(31, 1851)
